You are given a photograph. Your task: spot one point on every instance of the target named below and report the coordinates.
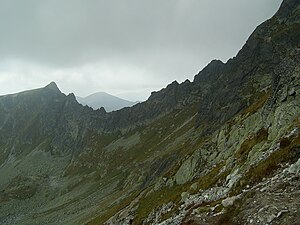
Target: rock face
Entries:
(223, 149)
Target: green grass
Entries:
(289, 151)
(167, 194)
(259, 101)
(242, 154)
(156, 199)
(112, 210)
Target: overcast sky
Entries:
(124, 47)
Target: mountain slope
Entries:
(102, 99)
(217, 150)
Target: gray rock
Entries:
(295, 168)
(184, 196)
(230, 201)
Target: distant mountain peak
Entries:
(104, 100)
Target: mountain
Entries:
(102, 99)
(221, 149)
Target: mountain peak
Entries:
(105, 100)
(53, 86)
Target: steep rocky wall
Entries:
(256, 148)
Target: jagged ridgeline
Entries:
(223, 149)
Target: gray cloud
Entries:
(119, 45)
